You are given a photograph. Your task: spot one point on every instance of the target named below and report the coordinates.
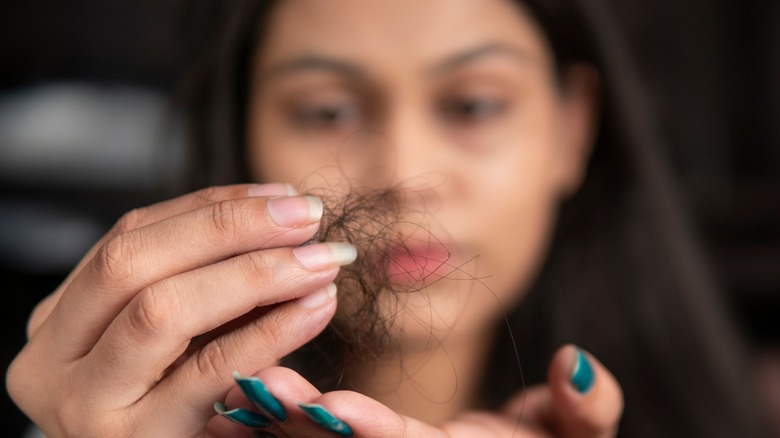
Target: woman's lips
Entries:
(413, 262)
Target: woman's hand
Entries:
(556, 409)
(111, 351)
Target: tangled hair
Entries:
(623, 277)
(365, 218)
(380, 224)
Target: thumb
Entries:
(587, 401)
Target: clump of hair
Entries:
(377, 222)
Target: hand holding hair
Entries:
(142, 337)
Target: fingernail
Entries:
(256, 391)
(328, 421)
(262, 434)
(582, 377)
(318, 298)
(295, 211)
(242, 416)
(273, 189)
(319, 256)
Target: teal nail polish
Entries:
(242, 416)
(582, 377)
(256, 391)
(321, 416)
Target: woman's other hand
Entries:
(580, 400)
(111, 351)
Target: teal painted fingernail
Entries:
(242, 416)
(262, 434)
(321, 416)
(582, 377)
(256, 391)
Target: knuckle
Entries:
(16, 383)
(114, 260)
(212, 361)
(209, 194)
(152, 312)
(259, 269)
(129, 221)
(263, 341)
(38, 315)
(229, 219)
(276, 329)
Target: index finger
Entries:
(144, 216)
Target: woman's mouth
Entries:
(414, 261)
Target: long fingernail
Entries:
(328, 421)
(319, 256)
(272, 189)
(318, 298)
(242, 416)
(582, 377)
(295, 211)
(256, 391)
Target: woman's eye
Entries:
(327, 116)
(472, 110)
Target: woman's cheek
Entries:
(508, 216)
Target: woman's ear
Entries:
(580, 116)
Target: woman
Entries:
(518, 131)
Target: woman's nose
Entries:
(412, 156)
(403, 153)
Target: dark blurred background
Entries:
(86, 133)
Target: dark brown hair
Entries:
(623, 277)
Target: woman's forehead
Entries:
(411, 32)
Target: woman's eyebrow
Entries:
(477, 53)
(313, 63)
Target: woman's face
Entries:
(456, 100)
